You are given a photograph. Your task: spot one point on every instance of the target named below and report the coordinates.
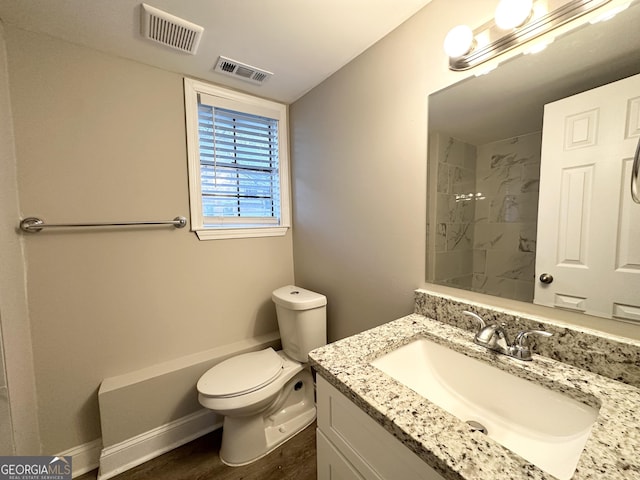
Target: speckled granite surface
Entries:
(614, 357)
(444, 441)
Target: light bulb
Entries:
(540, 9)
(512, 13)
(459, 41)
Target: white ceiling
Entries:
(301, 41)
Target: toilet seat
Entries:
(241, 374)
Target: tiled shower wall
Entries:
(508, 175)
(487, 206)
(456, 177)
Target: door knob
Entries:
(546, 278)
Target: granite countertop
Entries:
(443, 441)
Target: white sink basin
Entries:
(546, 428)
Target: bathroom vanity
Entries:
(374, 426)
(352, 445)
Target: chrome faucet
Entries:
(494, 337)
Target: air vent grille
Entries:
(241, 71)
(227, 67)
(260, 77)
(169, 30)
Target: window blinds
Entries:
(238, 165)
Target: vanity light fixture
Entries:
(459, 41)
(513, 13)
(516, 22)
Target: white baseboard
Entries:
(86, 457)
(141, 448)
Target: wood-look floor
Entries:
(199, 460)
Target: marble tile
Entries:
(501, 160)
(442, 208)
(441, 237)
(470, 156)
(531, 178)
(527, 238)
(464, 281)
(530, 186)
(452, 151)
(496, 236)
(524, 291)
(479, 261)
(506, 176)
(521, 150)
(461, 211)
(479, 281)
(461, 180)
(511, 265)
(453, 264)
(505, 209)
(443, 178)
(482, 209)
(514, 208)
(451, 210)
(491, 285)
(459, 236)
(500, 181)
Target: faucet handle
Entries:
(522, 338)
(520, 348)
(476, 317)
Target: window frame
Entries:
(241, 102)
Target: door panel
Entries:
(575, 212)
(588, 226)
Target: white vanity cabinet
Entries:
(351, 445)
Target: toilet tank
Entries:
(302, 320)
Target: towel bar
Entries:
(34, 224)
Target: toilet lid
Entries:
(241, 374)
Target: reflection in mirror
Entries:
(485, 153)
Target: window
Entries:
(238, 163)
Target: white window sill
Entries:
(253, 232)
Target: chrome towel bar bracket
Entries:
(34, 224)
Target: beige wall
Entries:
(100, 138)
(14, 320)
(359, 143)
(135, 403)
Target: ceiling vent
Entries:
(241, 71)
(169, 30)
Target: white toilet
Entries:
(266, 397)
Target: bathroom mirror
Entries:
(484, 155)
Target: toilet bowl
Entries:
(268, 396)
